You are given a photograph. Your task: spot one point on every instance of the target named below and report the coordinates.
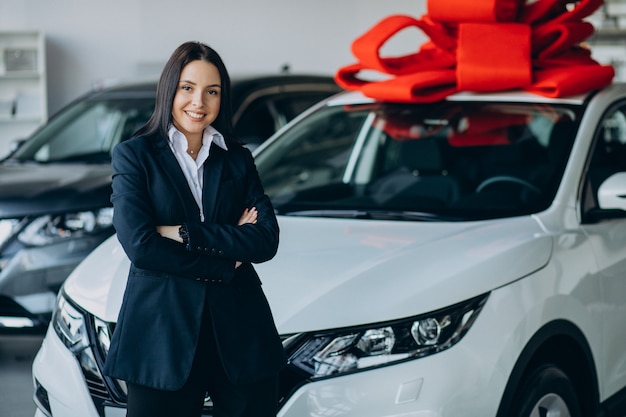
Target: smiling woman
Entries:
(192, 227)
(196, 102)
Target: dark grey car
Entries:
(55, 188)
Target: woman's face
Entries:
(197, 99)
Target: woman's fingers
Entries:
(248, 216)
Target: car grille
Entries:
(105, 390)
(97, 388)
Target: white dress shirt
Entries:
(194, 169)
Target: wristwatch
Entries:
(184, 235)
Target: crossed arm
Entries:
(214, 248)
(171, 232)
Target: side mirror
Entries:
(13, 147)
(16, 144)
(612, 193)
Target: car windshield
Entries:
(86, 131)
(445, 161)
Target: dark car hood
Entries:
(34, 189)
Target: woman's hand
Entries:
(170, 232)
(248, 216)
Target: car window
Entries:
(455, 159)
(87, 132)
(314, 153)
(256, 123)
(292, 105)
(264, 116)
(607, 157)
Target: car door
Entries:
(607, 234)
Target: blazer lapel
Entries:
(175, 175)
(213, 168)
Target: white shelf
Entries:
(20, 75)
(23, 85)
(17, 120)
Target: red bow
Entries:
(482, 46)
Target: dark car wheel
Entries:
(546, 392)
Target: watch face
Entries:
(182, 233)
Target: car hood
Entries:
(34, 189)
(332, 273)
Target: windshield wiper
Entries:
(344, 214)
(99, 157)
(373, 215)
(413, 215)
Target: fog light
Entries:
(41, 399)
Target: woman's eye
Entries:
(213, 92)
(186, 88)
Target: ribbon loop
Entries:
(482, 45)
(367, 47)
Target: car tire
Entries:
(546, 391)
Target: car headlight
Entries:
(337, 352)
(8, 227)
(48, 229)
(69, 324)
(102, 338)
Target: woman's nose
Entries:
(196, 99)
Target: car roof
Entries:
(355, 97)
(239, 83)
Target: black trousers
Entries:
(207, 376)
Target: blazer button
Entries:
(199, 249)
(206, 280)
(198, 279)
(220, 252)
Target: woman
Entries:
(192, 216)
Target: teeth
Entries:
(195, 115)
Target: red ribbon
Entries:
(482, 46)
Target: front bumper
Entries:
(30, 279)
(58, 377)
(416, 388)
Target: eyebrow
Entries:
(191, 82)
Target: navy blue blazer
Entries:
(154, 340)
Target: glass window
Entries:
(87, 131)
(256, 123)
(264, 116)
(465, 160)
(608, 155)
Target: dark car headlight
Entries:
(336, 352)
(8, 228)
(48, 229)
(69, 324)
(74, 329)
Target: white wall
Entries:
(91, 42)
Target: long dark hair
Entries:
(161, 118)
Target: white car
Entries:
(465, 258)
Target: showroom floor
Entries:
(16, 386)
